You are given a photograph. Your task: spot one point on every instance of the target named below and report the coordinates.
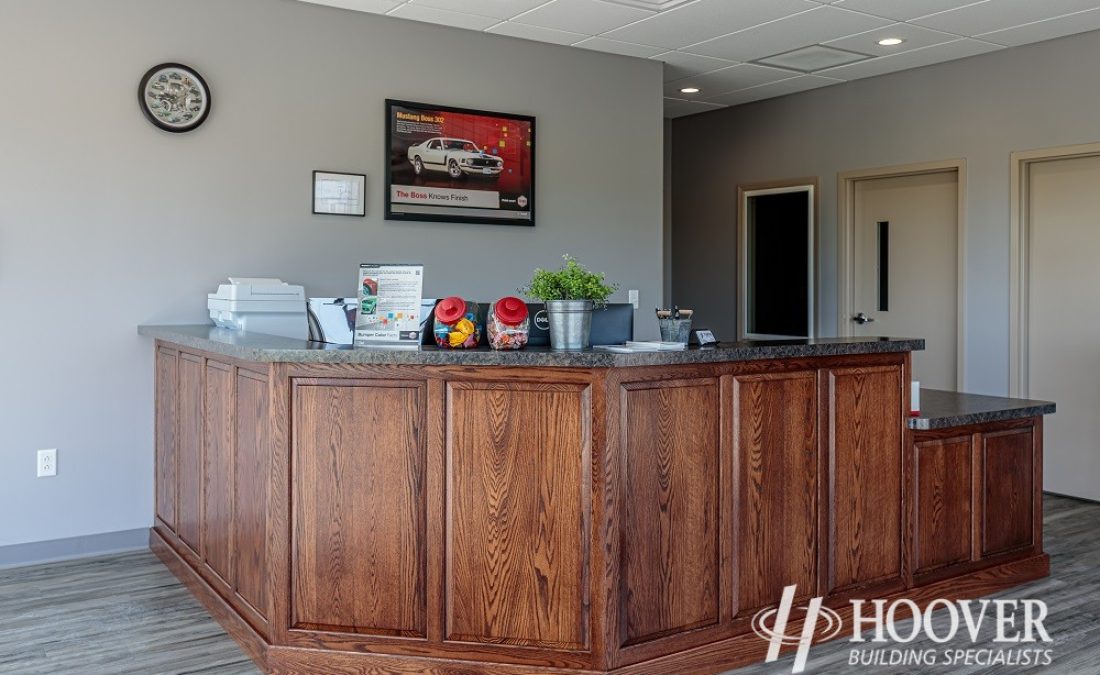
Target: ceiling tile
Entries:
(913, 59)
(522, 30)
(817, 25)
(501, 9)
(682, 64)
(813, 58)
(590, 17)
(915, 37)
(443, 16)
(773, 89)
(615, 47)
(999, 14)
(678, 108)
(376, 6)
(1046, 30)
(903, 10)
(736, 77)
(705, 19)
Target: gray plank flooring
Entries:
(119, 614)
(127, 614)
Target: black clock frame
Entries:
(197, 122)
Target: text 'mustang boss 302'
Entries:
(457, 156)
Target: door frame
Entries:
(846, 189)
(1020, 254)
(807, 183)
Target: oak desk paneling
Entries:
(167, 395)
(359, 463)
(865, 464)
(191, 414)
(252, 472)
(1008, 490)
(776, 443)
(977, 496)
(517, 514)
(420, 518)
(669, 520)
(219, 468)
(944, 479)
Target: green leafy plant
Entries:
(573, 281)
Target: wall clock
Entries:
(174, 97)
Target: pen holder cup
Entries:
(675, 330)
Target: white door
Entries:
(1063, 347)
(906, 267)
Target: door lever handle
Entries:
(862, 318)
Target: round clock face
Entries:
(174, 97)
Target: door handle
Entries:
(862, 318)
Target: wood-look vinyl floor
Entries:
(127, 614)
(109, 616)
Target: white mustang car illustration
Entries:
(457, 156)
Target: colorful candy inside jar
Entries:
(508, 324)
(456, 324)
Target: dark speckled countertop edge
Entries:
(948, 409)
(274, 349)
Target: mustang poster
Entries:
(456, 165)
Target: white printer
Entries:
(260, 305)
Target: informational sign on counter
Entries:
(389, 304)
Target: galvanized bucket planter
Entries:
(570, 324)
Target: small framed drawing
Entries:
(339, 194)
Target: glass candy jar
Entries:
(456, 324)
(508, 324)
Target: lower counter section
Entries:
(355, 518)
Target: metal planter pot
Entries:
(570, 324)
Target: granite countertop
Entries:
(271, 348)
(945, 409)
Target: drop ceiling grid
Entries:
(702, 39)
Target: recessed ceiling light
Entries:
(690, 90)
(890, 42)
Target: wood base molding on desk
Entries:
(715, 657)
(372, 518)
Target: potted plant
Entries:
(571, 293)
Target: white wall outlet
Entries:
(632, 297)
(47, 463)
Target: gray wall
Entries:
(106, 222)
(980, 109)
(666, 214)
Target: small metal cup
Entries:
(675, 330)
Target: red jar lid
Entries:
(450, 309)
(510, 309)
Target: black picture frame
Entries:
(390, 214)
(313, 194)
(156, 121)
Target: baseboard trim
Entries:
(71, 548)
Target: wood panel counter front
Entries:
(364, 517)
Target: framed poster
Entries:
(389, 304)
(459, 165)
(339, 194)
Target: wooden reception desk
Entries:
(372, 511)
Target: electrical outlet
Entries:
(632, 297)
(47, 463)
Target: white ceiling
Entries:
(709, 44)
